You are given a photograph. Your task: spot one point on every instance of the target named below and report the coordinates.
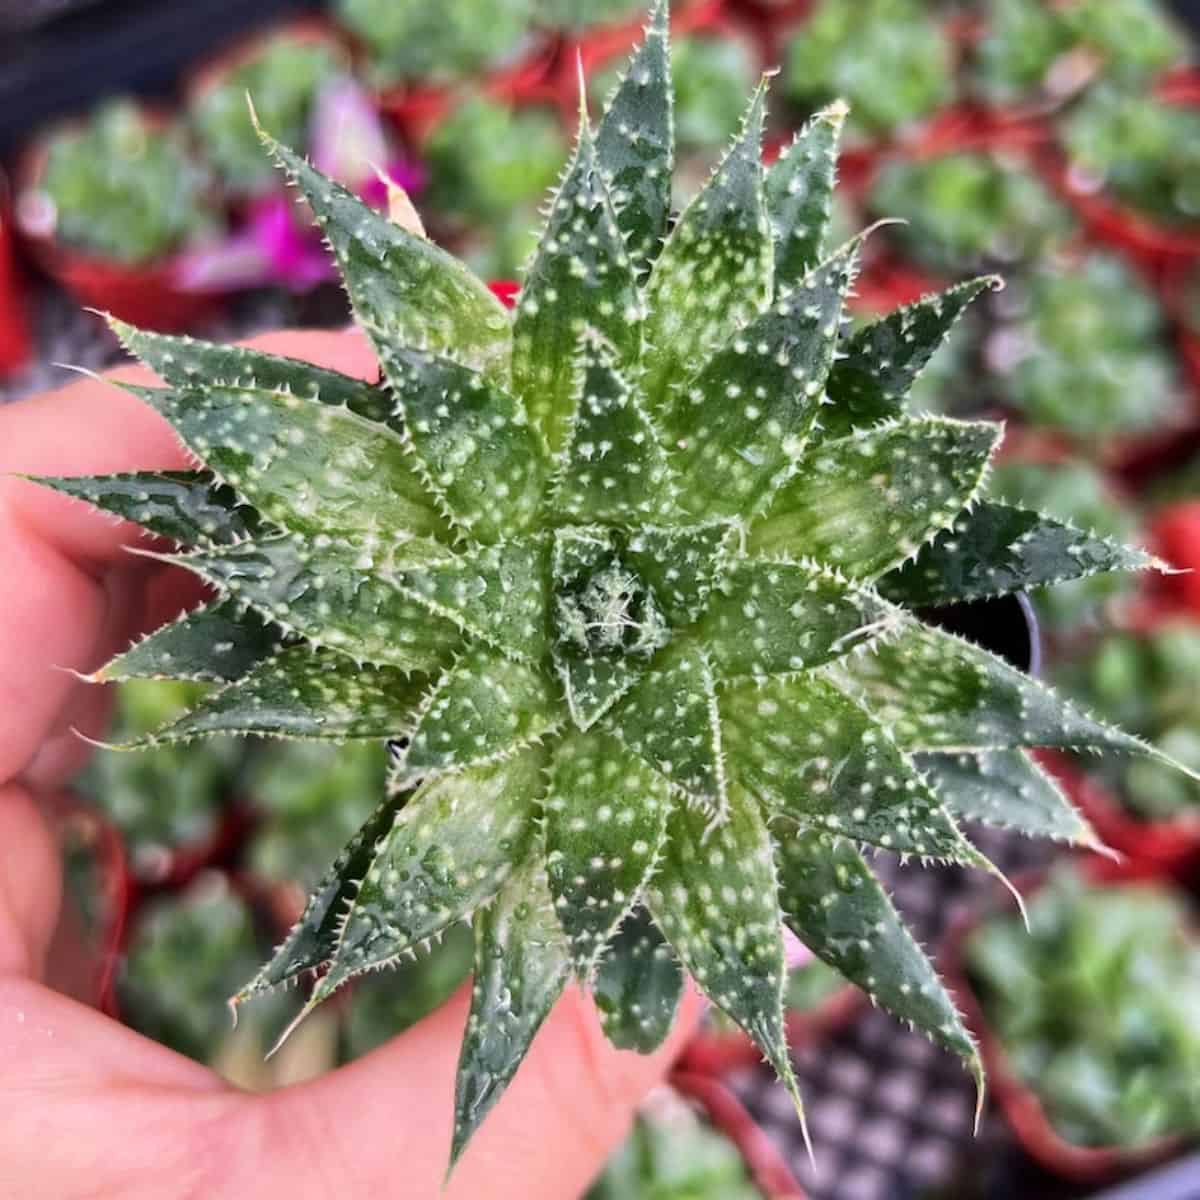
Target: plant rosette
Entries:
(632, 581)
(1019, 1103)
(154, 292)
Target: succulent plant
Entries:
(171, 798)
(1147, 152)
(628, 580)
(885, 57)
(967, 210)
(123, 188)
(1090, 355)
(284, 79)
(671, 1155)
(1147, 681)
(1096, 1007)
(412, 39)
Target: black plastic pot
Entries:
(1005, 625)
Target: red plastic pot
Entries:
(145, 294)
(16, 349)
(1018, 1103)
(418, 109)
(1169, 848)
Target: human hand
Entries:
(93, 1109)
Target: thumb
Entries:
(382, 1124)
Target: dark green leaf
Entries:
(800, 195)
(836, 907)
(808, 753)
(303, 693)
(669, 717)
(715, 899)
(581, 276)
(866, 502)
(1007, 790)
(217, 643)
(771, 617)
(714, 273)
(333, 593)
(614, 467)
(472, 439)
(995, 548)
(634, 144)
(498, 593)
(482, 708)
(637, 986)
(405, 290)
(680, 563)
(738, 426)
(521, 967)
(185, 506)
(606, 812)
(882, 360)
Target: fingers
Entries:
(570, 1104)
(59, 551)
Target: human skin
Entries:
(92, 1109)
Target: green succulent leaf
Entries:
(995, 548)
(866, 502)
(405, 290)
(484, 707)
(715, 898)
(307, 466)
(581, 277)
(775, 616)
(810, 754)
(311, 941)
(800, 195)
(1006, 789)
(187, 364)
(714, 273)
(637, 985)
(681, 564)
(497, 593)
(835, 905)
(334, 595)
(303, 693)
(880, 363)
(449, 850)
(738, 427)
(635, 149)
(216, 643)
(522, 964)
(669, 718)
(473, 441)
(940, 692)
(605, 817)
(613, 467)
(185, 506)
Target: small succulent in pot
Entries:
(284, 75)
(123, 186)
(409, 40)
(1143, 151)
(968, 211)
(886, 58)
(1095, 1007)
(628, 578)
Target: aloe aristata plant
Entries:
(629, 580)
